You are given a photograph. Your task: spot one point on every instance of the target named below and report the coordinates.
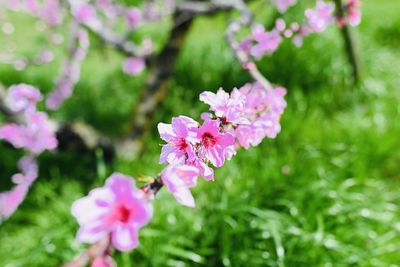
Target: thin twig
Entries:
(235, 26)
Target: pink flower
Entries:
(266, 42)
(178, 135)
(213, 143)
(51, 12)
(226, 107)
(320, 18)
(204, 170)
(134, 65)
(264, 110)
(83, 13)
(280, 25)
(178, 179)
(283, 5)
(10, 200)
(29, 169)
(118, 208)
(353, 12)
(36, 136)
(22, 97)
(133, 17)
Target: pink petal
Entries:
(166, 132)
(125, 237)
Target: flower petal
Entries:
(125, 237)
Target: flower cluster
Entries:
(35, 134)
(10, 200)
(71, 71)
(321, 17)
(111, 21)
(239, 119)
(242, 118)
(262, 42)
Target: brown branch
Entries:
(115, 40)
(349, 44)
(160, 69)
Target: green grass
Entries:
(338, 204)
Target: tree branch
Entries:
(235, 26)
(349, 45)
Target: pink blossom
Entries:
(118, 209)
(178, 135)
(353, 12)
(227, 107)
(83, 12)
(178, 179)
(133, 17)
(29, 171)
(213, 143)
(134, 65)
(71, 71)
(10, 200)
(51, 12)
(280, 25)
(22, 97)
(264, 110)
(62, 91)
(266, 42)
(245, 45)
(283, 5)
(36, 136)
(205, 171)
(321, 17)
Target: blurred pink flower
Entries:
(51, 12)
(36, 136)
(354, 12)
(321, 17)
(178, 179)
(118, 208)
(133, 17)
(10, 200)
(83, 12)
(266, 42)
(283, 5)
(22, 97)
(134, 65)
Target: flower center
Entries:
(122, 213)
(208, 140)
(182, 144)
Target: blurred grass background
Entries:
(325, 192)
